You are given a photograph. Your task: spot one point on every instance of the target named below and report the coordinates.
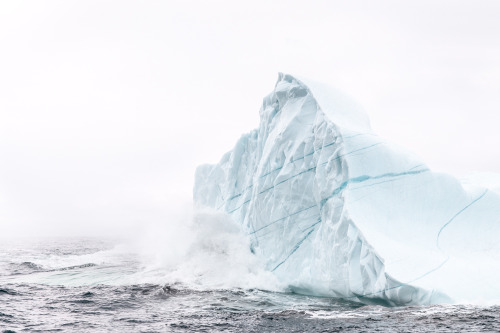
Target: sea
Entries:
(200, 283)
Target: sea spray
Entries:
(204, 249)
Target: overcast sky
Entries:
(106, 107)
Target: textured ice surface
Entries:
(337, 211)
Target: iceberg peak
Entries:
(338, 106)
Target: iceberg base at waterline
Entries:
(334, 210)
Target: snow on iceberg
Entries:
(336, 211)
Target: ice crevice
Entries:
(285, 180)
(457, 214)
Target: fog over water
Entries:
(106, 107)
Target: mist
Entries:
(106, 108)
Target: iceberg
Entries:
(335, 210)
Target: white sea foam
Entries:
(201, 249)
(207, 250)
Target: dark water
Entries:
(81, 286)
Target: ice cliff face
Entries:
(336, 211)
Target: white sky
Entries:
(106, 107)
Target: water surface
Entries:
(89, 285)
